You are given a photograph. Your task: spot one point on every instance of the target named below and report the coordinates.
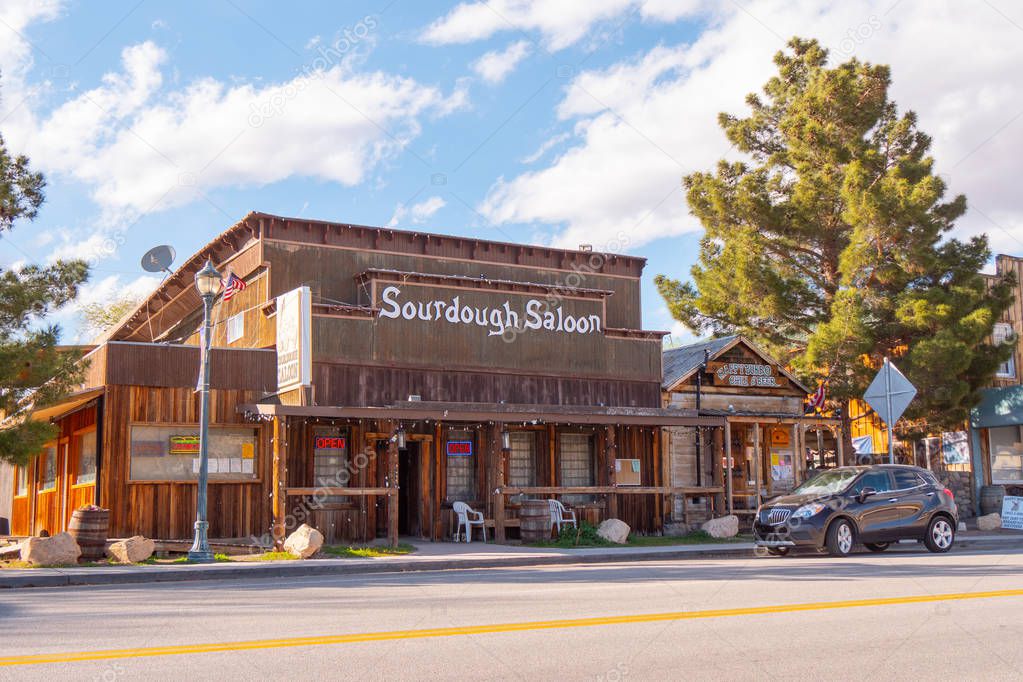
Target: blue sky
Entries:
(560, 122)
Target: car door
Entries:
(910, 500)
(874, 514)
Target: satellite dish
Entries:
(158, 259)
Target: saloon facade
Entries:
(363, 381)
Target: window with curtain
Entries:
(522, 461)
(86, 446)
(576, 465)
(461, 466)
(1006, 454)
(48, 468)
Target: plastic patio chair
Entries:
(467, 518)
(561, 516)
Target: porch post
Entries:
(392, 483)
(728, 466)
(279, 478)
(498, 492)
(612, 473)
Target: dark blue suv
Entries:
(869, 505)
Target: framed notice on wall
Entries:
(627, 472)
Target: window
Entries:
(1006, 454)
(461, 466)
(22, 482)
(48, 468)
(904, 480)
(878, 480)
(86, 445)
(171, 453)
(235, 327)
(522, 460)
(576, 465)
(330, 461)
(1002, 333)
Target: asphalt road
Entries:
(896, 615)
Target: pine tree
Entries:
(33, 371)
(830, 244)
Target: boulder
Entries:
(131, 551)
(304, 542)
(59, 550)
(723, 527)
(989, 522)
(614, 530)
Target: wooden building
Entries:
(766, 444)
(363, 381)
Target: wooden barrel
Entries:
(991, 497)
(89, 529)
(535, 521)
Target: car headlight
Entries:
(808, 510)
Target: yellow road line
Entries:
(73, 657)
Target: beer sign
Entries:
(744, 375)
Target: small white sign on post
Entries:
(889, 394)
(1012, 512)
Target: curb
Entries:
(115, 576)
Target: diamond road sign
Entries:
(890, 393)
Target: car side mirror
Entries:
(865, 493)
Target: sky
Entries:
(554, 122)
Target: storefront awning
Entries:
(69, 404)
(494, 412)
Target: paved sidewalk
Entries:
(428, 556)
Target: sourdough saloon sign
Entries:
(503, 318)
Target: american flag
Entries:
(232, 286)
(816, 400)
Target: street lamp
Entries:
(207, 282)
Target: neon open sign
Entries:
(459, 448)
(330, 443)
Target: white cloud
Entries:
(141, 145)
(561, 23)
(108, 290)
(419, 213)
(494, 67)
(15, 17)
(547, 145)
(641, 124)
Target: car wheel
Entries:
(777, 551)
(877, 546)
(940, 534)
(840, 538)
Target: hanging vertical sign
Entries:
(294, 335)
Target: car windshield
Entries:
(828, 482)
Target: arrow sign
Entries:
(889, 394)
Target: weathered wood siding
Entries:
(330, 273)
(167, 510)
(359, 384)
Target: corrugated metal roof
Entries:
(680, 362)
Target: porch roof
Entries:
(494, 412)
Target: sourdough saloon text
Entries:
(537, 314)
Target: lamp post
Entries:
(207, 282)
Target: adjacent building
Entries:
(768, 443)
(996, 424)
